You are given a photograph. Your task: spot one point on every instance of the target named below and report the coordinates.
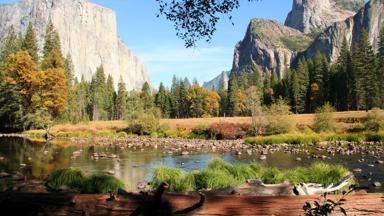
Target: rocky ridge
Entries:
(315, 15)
(88, 33)
(268, 46)
(217, 81)
(370, 17)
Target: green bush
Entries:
(375, 137)
(279, 118)
(146, 124)
(70, 177)
(324, 119)
(99, 184)
(200, 131)
(375, 120)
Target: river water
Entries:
(36, 160)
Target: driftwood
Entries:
(313, 189)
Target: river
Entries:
(36, 160)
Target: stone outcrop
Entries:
(268, 46)
(370, 17)
(315, 15)
(217, 81)
(88, 33)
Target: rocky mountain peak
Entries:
(88, 33)
(370, 17)
(315, 15)
(268, 46)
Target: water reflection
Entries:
(136, 166)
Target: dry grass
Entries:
(92, 126)
(346, 120)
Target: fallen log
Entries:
(16, 203)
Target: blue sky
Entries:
(154, 41)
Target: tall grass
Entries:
(75, 179)
(299, 138)
(70, 177)
(220, 174)
(102, 184)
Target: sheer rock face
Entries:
(315, 15)
(370, 17)
(268, 46)
(217, 81)
(87, 31)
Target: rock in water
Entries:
(87, 31)
(315, 15)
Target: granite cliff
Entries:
(310, 16)
(88, 33)
(268, 46)
(370, 17)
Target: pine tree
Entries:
(232, 93)
(380, 69)
(223, 94)
(29, 43)
(162, 101)
(69, 70)
(146, 96)
(300, 82)
(11, 44)
(121, 100)
(109, 98)
(364, 66)
(98, 97)
(52, 40)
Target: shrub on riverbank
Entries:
(375, 120)
(324, 119)
(71, 178)
(220, 174)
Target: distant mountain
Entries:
(315, 15)
(216, 82)
(370, 17)
(88, 32)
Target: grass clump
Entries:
(70, 177)
(174, 177)
(220, 174)
(75, 179)
(326, 174)
(102, 184)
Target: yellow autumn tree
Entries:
(240, 104)
(54, 90)
(211, 104)
(22, 73)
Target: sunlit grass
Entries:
(220, 174)
(102, 184)
(70, 177)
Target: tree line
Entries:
(38, 88)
